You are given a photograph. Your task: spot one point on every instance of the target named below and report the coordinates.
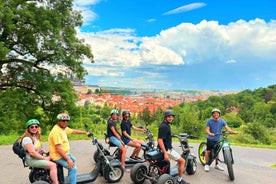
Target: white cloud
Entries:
(231, 61)
(84, 6)
(205, 42)
(151, 20)
(185, 8)
(103, 71)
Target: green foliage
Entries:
(39, 57)
(258, 132)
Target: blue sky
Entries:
(174, 44)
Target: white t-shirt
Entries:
(36, 144)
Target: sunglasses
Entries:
(65, 121)
(32, 127)
(126, 116)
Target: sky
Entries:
(180, 45)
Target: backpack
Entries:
(19, 150)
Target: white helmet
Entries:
(216, 110)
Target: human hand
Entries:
(212, 134)
(166, 157)
(71, 164)
(47, 158)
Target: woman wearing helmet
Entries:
(126, 127)
(31, 142)
(59, 145)
(114, 135)
(214, 126)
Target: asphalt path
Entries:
(251, 165)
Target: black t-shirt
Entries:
(110, 124)
(126, 126)
(164, 132)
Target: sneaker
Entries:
(182, 182)
(219, 168)
(206, 168)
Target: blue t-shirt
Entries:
(215, 127)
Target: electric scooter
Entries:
(156, 166)
(110, 168)
(129, 162)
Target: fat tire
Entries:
(110, 176)
(137, 173)
(38, 174)
(201, 152)
(40, 182)
(228, 162)
(96, 156)
(165, 179)
(191, 167)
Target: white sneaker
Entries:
(219, 168)
(206, 168)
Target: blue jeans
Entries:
(72, 172)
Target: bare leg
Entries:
(53, 171)
(181, 164)
(207, 152)
(123, 156)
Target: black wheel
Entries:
(113, 175)
(165, 179)
(96, 156)
(191, 166)
(138, 173)
(228, 162)
(40, 182)
(201, 152)
(38, 174)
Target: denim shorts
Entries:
(125, 140)
(114, 140)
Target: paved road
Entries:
(251, 166)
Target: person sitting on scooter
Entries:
(165, 144)
(126, 127)
(114, 135)
(31, 142)
(59, 145)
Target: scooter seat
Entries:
(112, 145)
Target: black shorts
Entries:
(211, 144)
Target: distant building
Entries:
(83, 89)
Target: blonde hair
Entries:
(28, 134)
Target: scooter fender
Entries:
(190, 158)
(115, 162)
(228, 148)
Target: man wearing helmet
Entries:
(114, 135)
(59, 145)
(165, 144)
(126, 127)
(214, 126)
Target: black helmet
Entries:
(125, 112)
(168, 113)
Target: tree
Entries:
(146, 116)
(40, 53)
